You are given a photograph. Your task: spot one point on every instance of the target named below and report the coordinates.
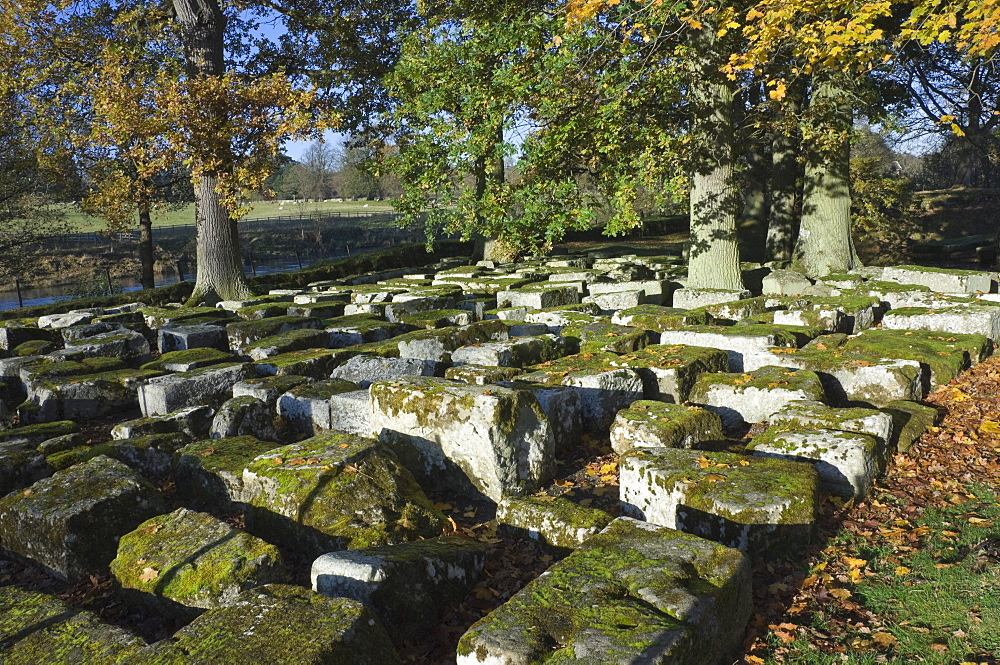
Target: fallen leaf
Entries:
(884, 640)
(149, 574)
(902, 570)
(840, 594)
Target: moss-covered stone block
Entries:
(334, 492)
(38, 628)
(600, 337)
(269, 388)
(159, 317)
(244, 333)
(651, 424)
(150, 455)
(752, 503)
(86, 396)
(70, 523)
(407, 585)
(438, 345)
(35, 347)
(209, 473)
(293, 340)
(193, 422)
(557, 523)
(438, 318)
(748, 346)
(482, 375)
(184, 561)
(657, 318)
(279, 624)
(265, 310)
(37, 433)
(753, 396)
(357, 329)
(668, 372)
(307, 407)
(634, 588)
(188, 359)
(909, 421)
(816, 415)
(314, 363)
(847, 462)
(944, 354)
(488, 441)
(208, 386)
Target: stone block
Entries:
(669, 372)
(269, 388)
(314, 363)
(85, 397)
(193, 422)
(438, 318)
(39, 628)
(539, 296)
(634, 588)
(70, 523)
(210, 386)
(490, 441)
(366, 370)
(180, 338)
(614, 301)
(561, 405)
(189, 359)
(293, 340)
(407, 585)
(748, 347)
(754, 504)
(603, 336)
(649, 424)
(307, 407)
(692, 298)
(557, 523)
(847, 462)
(519, 352)
(942, 280)
(785, 283)
(183, 562)
(13, 335)
(276, 623)
(243, 334)
(965, 319)
(816, 415)
(65, 320)
(243, 416)
(828, 320)
(909, 421)
(210, 473)
(754, 397)
(335, 492)
(128, 345)
(481, 375)
(602, 384)
(438, 345)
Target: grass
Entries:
(83, 222)
(937, 602)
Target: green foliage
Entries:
(881, 210)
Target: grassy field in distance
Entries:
(83, 222)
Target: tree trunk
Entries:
(782, 227)
(714, 257)
(220, 268)
(825, 244)
(146, 277)
(755, 180)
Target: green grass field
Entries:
(185, 215)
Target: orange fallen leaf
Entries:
(149, 574)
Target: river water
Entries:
(43, 295)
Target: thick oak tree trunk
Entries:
(220, 268)
(714, 257)
(825, 244)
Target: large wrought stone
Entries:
(70, 523)
(669, 372)
(633, 589)
(185, 560)
(649, 424)
(209, 386)
(406, 585)
(334, 492)
(366, 370)
(753, 397)
(753, 504)
(484, 440)
(210, 473)
(280, 625)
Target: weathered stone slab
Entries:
(70, 523)
(366, 370)
(941, 280)
(753, 504)
(314, 363)
(184, 561)
(518, 352)
(614, 301)
(561, 405)
(180, 338)
(189, 359)
(293, 340)
(816, 415)
(161, 317)
(438, 318)
(556, 318)
(407, 585)
(73, 318)
(14, 334)
(668, 373)
(351, 412)
(492, 441)
(243, 334)
(659, 319)
(193, 422)
(334, 492)
(150, 455)
(966, 319)
(909, 421)
(269, 388)
(555, 522)
(753, 397)
(692, 298)
(438, 345)
(847, 462)
(307, 407)
(482, 375)
(634, 588)
(603, 336)
(85, 397)
(603, 385)
(210, 473)
(857, 378)
(38, 628)
(128, 345)
(243, 416)
(279, 624)
(209, 386)
(785, 283)
(649, 424)
(539, 296)
(748, 347)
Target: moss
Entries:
(54, 369)
(67, 458)
(480, 375)
(291, 340)
(434, 318)
(35, 347)
(263, 311)
(198, 357)
(598, 337)
(909, 421)
(665, 424)
(231, 454)
(769, 377)
(430, 400)
(359, 322)
(158, 317)
(41, 431)
(323, 389)
(553, 371)
(945, 354)
(555, 521)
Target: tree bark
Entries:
(786, 171)
(755, 181)
(825, 244)
(220, 267)
(146, 259)
(714, 257)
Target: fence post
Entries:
(107, 273)
(17, 286)
(298, 259)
